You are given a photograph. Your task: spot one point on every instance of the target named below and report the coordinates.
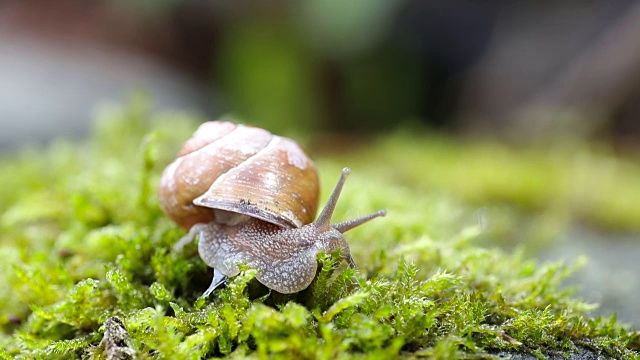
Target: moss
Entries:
(566, 178)
(86, 252)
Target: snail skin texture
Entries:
(250, 197)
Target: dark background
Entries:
(514, 70)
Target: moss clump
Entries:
(86, 252)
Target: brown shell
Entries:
(242, 169)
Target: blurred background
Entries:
(490, 78)
(517, 71)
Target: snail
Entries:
(251, 197)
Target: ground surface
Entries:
(83, 242)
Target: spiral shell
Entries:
(242, 169)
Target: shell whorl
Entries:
(241, 169)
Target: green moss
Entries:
(566, 178)
(83, 241)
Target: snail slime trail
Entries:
(251, 197)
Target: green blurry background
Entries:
(526, 112)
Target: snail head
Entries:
(329, 237)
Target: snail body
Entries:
(250, 197)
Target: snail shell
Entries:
(241, 169)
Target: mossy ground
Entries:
(83, 240)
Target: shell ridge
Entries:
(247, 161)
(214, 142)
(202, 200)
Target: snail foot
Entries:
(218, 279)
